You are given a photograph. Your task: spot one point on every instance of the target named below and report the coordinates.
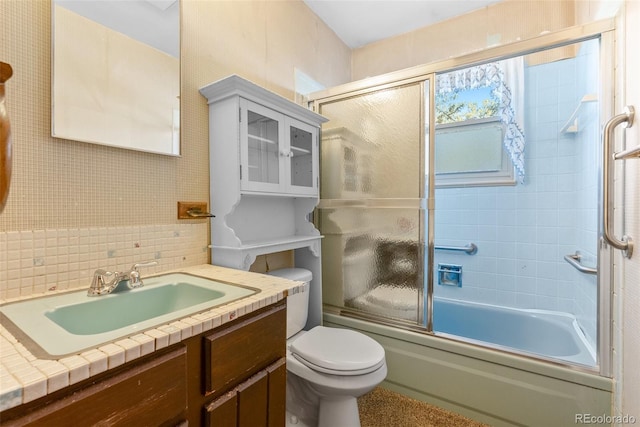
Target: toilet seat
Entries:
(338, 351)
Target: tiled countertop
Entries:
(24, 377)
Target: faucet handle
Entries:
(136, 266)
(134, 275)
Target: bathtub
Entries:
(543, 333)
(521, 378)
(549, 334)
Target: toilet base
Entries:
(294, 421)
(338, 411)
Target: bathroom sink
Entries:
(67, 323)
(106, 314)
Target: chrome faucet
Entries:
(104, 282)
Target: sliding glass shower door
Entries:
(465, 201)
(371, 211)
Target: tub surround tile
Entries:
(23, 377)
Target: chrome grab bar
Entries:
(631, 153)
(575, 261)
(626, 243)
(470, 249)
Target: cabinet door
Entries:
(222, 412)
(261, 148)
(257, 402)
(277, 393)
(301, 160)
(253, 401)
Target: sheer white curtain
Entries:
(506, 80)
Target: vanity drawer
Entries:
(233, 354)
(152, 392)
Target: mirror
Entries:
(116, 73)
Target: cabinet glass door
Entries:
(302, 157)
(261, 148)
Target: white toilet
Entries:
(328, 368)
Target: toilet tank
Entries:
(297, 304)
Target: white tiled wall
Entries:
(524, 231)
(38, 261)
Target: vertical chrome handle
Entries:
(626, 243)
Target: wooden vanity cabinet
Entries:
(234, 375)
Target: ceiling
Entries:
(360, 22)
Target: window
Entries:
(470, 153)
(478, 138)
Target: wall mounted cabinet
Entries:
(264, 171)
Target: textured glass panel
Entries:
(371, 145)
(373, 260)
(370, 215)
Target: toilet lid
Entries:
(338, 351)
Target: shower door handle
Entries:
(626, 243)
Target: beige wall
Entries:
(500, 23)
(91, 193)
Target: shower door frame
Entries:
(603, 30)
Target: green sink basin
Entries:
(103, 315)
(68, 323)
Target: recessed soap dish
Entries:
(450, 275)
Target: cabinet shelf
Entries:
(261, 139)
(244, 255)
(297, 150)
(280, 243)
(292, 242)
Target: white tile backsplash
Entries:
(38, 261)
